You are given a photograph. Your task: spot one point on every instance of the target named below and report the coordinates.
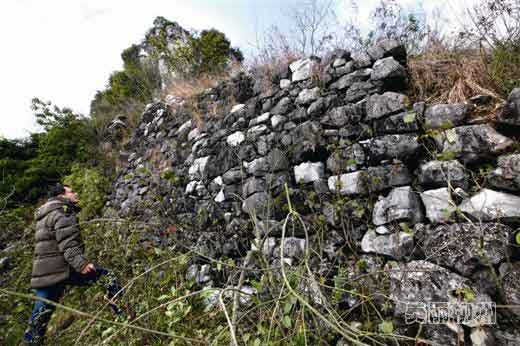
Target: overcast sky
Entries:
(65, 50)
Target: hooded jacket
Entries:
(58, 244)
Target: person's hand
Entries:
(89, 268)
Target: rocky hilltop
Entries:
(416, 202)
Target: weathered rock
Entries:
(382, 177)
(348, 184)
(443, 173)
(445, 115)
(260, 119)
(389, 147)
(199, 168)
(236, 139)
(233, 176)
(346, 160)
(401, 205)
(361, 59)
(304, 68)
(465, 247)
(277, 121)
(277, 160)
(340, 116)
(438, 204)
(285, 83)
(257, 167)
(282, 107)
(414, 284)
(472, 142)
(371, 180)
(507, 175)
(510, 115)
(360, 90)
(488, 205)
(386, 48)
(199, 274)
(307, 96)
(396, 245)
(253, 185)
(308, 172)
(510, 281)
(256, 131)
(351, 78)
(390, 72)
(259, 204)
(389, 103)
(344, 69)
(400, 123)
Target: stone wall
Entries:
(428, 190)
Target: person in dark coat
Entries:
(59, 260)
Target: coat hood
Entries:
(51, 205)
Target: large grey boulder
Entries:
(389, 103)
(445, 115)
(439, 205)
(390, 72)
(510, 115)
(443, 173)
(507, 175)
(304, 68)
(488, 205)
(389, 147)
(417, 283)
(510, 280)
(464, 247)
(401, 205)
(469, 143)
(396, 245)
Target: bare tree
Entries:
(496, 22)
(315, 23)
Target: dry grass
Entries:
(441, 74)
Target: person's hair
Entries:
(55, 189)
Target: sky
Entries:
(65, 50)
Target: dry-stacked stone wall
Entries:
(383, 185)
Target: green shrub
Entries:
(504, 68)
(91, 186)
